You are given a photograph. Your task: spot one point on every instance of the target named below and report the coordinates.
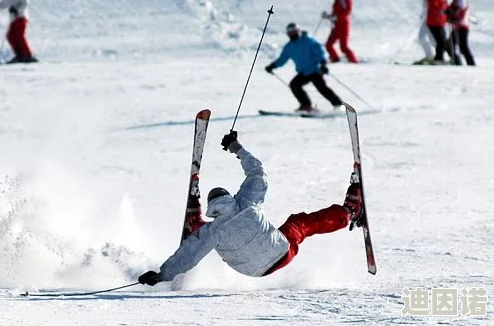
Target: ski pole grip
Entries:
(229, 139)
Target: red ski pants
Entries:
(17, 38)
(341, 33)
(302, 225)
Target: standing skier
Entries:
(457, 14)
(310, 63)
(242, 235)
(436, 21)
(340, 17)
(425, 38)
(16, 35)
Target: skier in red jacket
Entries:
(16, 34)
(340, 17)
(457, 14)
(436, 21)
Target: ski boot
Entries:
(353, 201)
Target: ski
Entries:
(193, 214)
(357, 177)
(279, 113)
(316, 115)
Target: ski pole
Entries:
(270, 12)
(280, 79)
(317, 27)
(451, 42)
(416, 29)
(349, 89)
(74, 294)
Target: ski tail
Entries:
(358, 177)
(193, 212)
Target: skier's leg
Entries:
(425, 41)
(464, 48)
(296, 85)
(344, 39)
(25, 50)
(11, 38)
(322, 87)
(333, 37)
(453, 44)
(302, 225)
(439, 35)
(441, 42)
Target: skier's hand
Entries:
(230, 142)
(356, 222)
(324, 68)
(324, 15)
(270, 68)
(150, 278)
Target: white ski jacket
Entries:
(17, 8)
(240, 233)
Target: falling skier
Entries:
(242, 235)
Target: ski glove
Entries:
(150, 278)
(230, 142)
(270, 68)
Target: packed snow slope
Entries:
(96, 146)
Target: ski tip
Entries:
(25, 294)
(372, 270)
(349, 107)
(204, 114)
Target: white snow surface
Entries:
(96, 146)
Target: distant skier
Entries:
(457, 14)
(240, 232)
(340, 17)
(436, 21)
(310, 60)
(16, 34)
(425, 38)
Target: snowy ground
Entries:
(96, 146)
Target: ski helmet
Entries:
(217, 192)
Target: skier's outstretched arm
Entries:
(280, 61)
(254, 187)
(192, 250)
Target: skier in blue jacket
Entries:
(310, 60)
(240, 232)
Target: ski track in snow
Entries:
(273, 307)
(96, 144)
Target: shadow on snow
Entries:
(189, 122)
